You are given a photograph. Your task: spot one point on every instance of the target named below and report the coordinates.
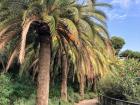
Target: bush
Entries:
(90, 95)
(16, 91)
(6, 89)
(55, 91)
(23, 87)
(112, 87)
(124, 86)
(24, 101)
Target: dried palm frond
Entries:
(5, 39)
(34, 63)
(25, 30)
(12, 57)
(4, 30)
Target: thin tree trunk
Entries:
(82, 85)
(94, 85)
(44, 71)
(64, 78)
(52, 81)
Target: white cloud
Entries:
(122, 9)
(125, 3)
(122, 3)
(116, 15)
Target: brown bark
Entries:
(82, 85)
(94, 85)
(64, 78)
(44, 71)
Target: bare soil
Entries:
(88, 102)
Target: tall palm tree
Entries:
(91, 26)
(44, 19)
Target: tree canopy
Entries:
(117, 43)
(130, 54)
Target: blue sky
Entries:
(124, 21)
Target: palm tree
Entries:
(91, 33)
(94, 39)
(44, 19)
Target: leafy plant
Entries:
(16, 90)
(24, 101)
(6, 89)
(123, 86)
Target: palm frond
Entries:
(11, 59)
(26, 27)
(99, 4)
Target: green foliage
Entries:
(24, 101)
(6, 89)
(54, 101)
(17, 91)
(23, 87)
(111, 87)
(55, 91)
(130, 54)
(90, 95)
(117, 43)
(130, 68)
(125, 85)
(24, 91)
(73, 96)
(21, 91)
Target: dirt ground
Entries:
(88, 102)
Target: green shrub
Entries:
(23, 87)
(24, 101)
(16, 91)
(90, 95)
(112, 87)
(55, 91)
(124, 85)
(6, 89)
(73, 96)
(54, 101)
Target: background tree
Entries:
(117, 43)
(130, 54)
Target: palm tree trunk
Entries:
(44, 71)
(64, 78)
(82, 85)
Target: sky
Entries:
(124, 21)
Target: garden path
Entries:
(88, 102)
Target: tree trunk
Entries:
(82, 85)
(44, 71)
(64, 78)
(94, 85)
